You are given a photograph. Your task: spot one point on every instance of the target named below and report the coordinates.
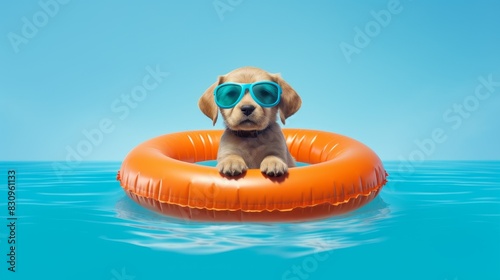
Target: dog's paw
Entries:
(273, 166)
(232, 166)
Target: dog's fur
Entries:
(256, 140)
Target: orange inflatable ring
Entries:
(343, 175)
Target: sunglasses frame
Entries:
(249, 87)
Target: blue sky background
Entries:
(66, 77)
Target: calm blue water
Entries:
(440, 220)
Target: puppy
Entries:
(253, 138)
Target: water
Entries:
(440, 220)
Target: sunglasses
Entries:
(265, 93)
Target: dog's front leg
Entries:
(273, 166)
(232, 165)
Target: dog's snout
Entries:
(247, 109)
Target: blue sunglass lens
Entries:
(227, 95)
(266, 93)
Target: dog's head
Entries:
(248, 114)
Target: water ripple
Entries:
(148, 229)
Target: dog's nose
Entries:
(247, 109)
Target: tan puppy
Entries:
(253, 138)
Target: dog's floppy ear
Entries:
(207, 102)
(290, 100)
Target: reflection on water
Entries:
(472, 188)
(149, 229)
(438, 221)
